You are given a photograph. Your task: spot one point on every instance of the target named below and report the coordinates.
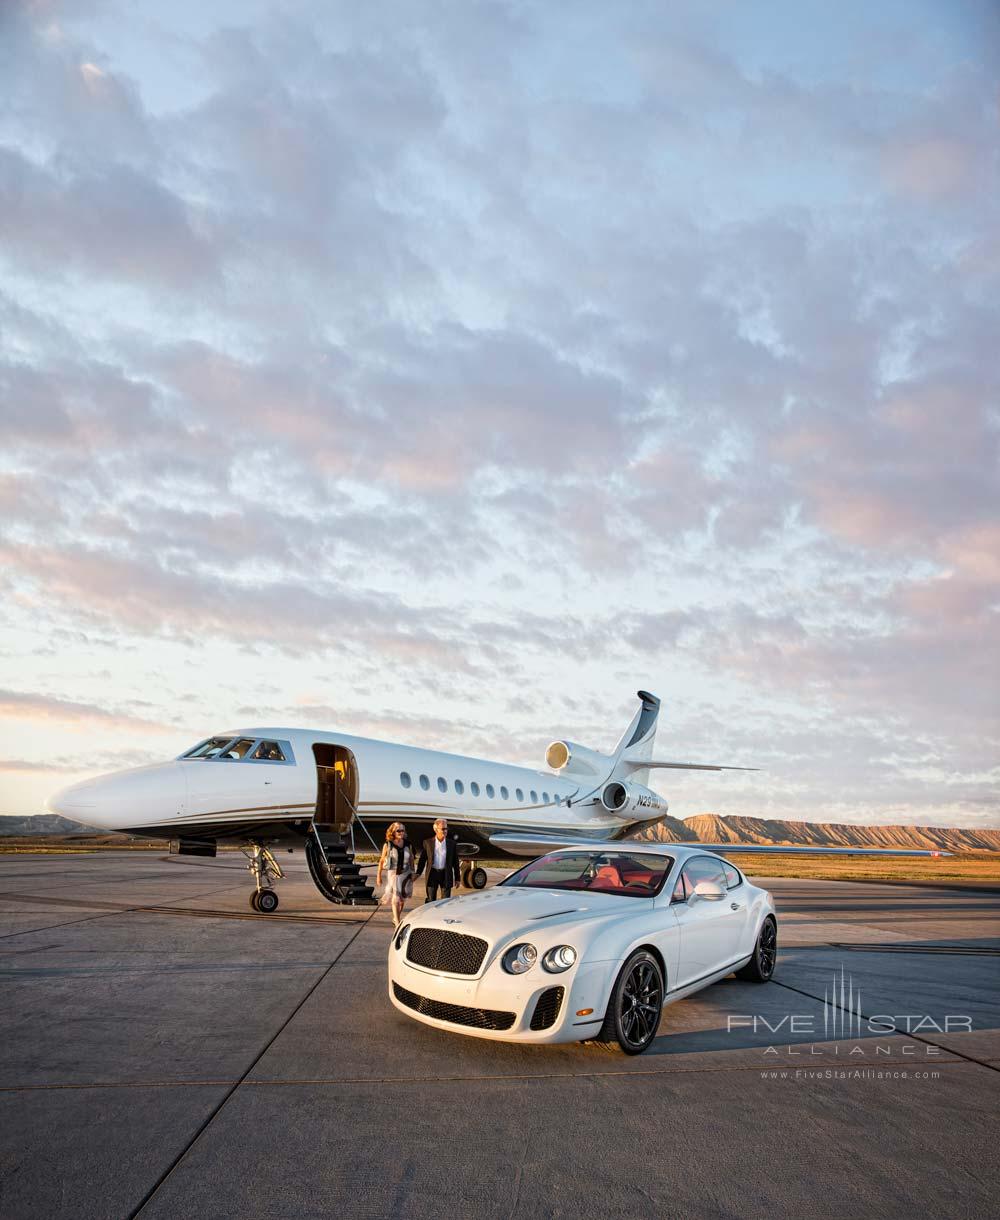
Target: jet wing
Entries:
(537, 845)
(639, 765)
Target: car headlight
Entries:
(519, 958)
(558, 959)
(401, 935)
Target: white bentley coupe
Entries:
(584, 943)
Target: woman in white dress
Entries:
(396, 862)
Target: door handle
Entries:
(735, 906)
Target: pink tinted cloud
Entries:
(929, 167)
(28, 705)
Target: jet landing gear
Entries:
(474, 877)
(264, 869)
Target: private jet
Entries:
(330, 794)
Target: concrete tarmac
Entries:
(169, 1053)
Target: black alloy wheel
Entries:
(267, 901)
(760, 967)
(636, 1005)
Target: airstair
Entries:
(330, 856)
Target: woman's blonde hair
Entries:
(391, 830)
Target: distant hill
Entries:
(670, 830)
(711, 828)
(38, 824)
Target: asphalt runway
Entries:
(168, 1053)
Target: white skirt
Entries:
(395, 885)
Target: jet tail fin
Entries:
(635, 749)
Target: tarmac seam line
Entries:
(94, 904)
(257, 1058)
(67, 923)
(338, 1081)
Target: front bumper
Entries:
(501, 1006)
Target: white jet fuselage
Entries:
(223, 797)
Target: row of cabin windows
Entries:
(474, 789)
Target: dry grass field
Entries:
(65, 845)
(970, 867)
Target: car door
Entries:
(738, 901)
(709, 928)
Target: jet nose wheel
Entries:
(477, 878)
(267, 901)
(264, 869)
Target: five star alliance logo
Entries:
(842, 1016)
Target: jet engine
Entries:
(627, 800)
(567, 756)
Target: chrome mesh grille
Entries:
(451, 952)
(478, 1018)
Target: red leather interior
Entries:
(608, 877)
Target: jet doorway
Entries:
(336, 787)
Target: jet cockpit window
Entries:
(268, 751)
(208, 749)
(239, 748)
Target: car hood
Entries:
(504, 911)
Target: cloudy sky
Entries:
(448, 371)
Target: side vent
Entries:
(547, 1008)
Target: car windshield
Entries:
(622, 873)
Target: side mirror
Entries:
(710, 890)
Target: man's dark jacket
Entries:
(452, 868)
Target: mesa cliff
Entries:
(712, 828)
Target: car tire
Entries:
(760, 968)
(635, 1006)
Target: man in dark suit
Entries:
(440, 855)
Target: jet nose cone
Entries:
(70, 802)
(123, 799)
